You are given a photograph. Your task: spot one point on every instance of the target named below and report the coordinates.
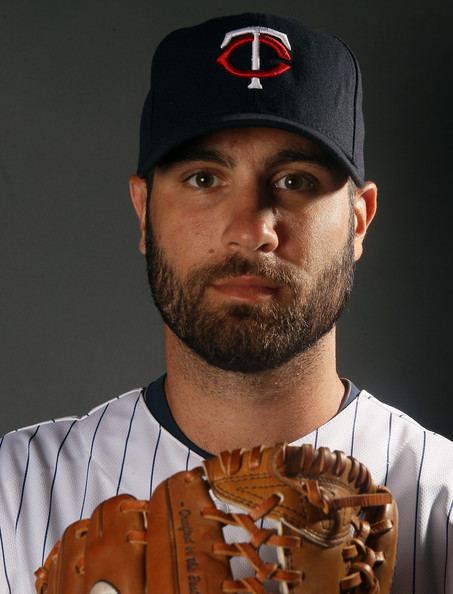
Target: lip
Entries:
(250, 288)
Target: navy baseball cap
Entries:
(255, 70)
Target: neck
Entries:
(221, 410)
(235, 410)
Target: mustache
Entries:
(282, 274)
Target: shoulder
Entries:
(398, 450)
(54, 428)
(70, 436)
(415, 464)
(53, 472)
(400, 428)
(395, 434)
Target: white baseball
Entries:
(103, 588)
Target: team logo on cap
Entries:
(256, 36)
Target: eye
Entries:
(294, 181)
(203, 179)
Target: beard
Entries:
(250, 337)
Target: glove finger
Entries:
(63, 569)
(115, 547)
(383, 538)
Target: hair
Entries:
(148, 179)
(352, 188)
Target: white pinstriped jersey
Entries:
(57, 472)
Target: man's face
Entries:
(250, 246)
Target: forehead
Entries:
(264, 143)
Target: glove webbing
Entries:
(363, 559)
(259, 536)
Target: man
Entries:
(253, 209)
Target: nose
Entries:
(250, 224)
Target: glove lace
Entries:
(249, 550)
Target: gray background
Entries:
(76, 324)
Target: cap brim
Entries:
(194, 129)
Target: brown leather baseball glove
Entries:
(312, 521)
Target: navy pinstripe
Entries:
(89, 459)
(353, 426)
(446, 548)
(25, 476)
(1, 542)
(127, 441)
(316, 437)
(187, 459)
(154, 461)
(4, 562)
(416, 511)
(52, 488)
(388, 450)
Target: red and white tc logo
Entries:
(256, 35)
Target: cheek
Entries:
(315, 236)
(187, 240)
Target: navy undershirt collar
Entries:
(157, 403)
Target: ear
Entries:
(365, 204)
(138, 192)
